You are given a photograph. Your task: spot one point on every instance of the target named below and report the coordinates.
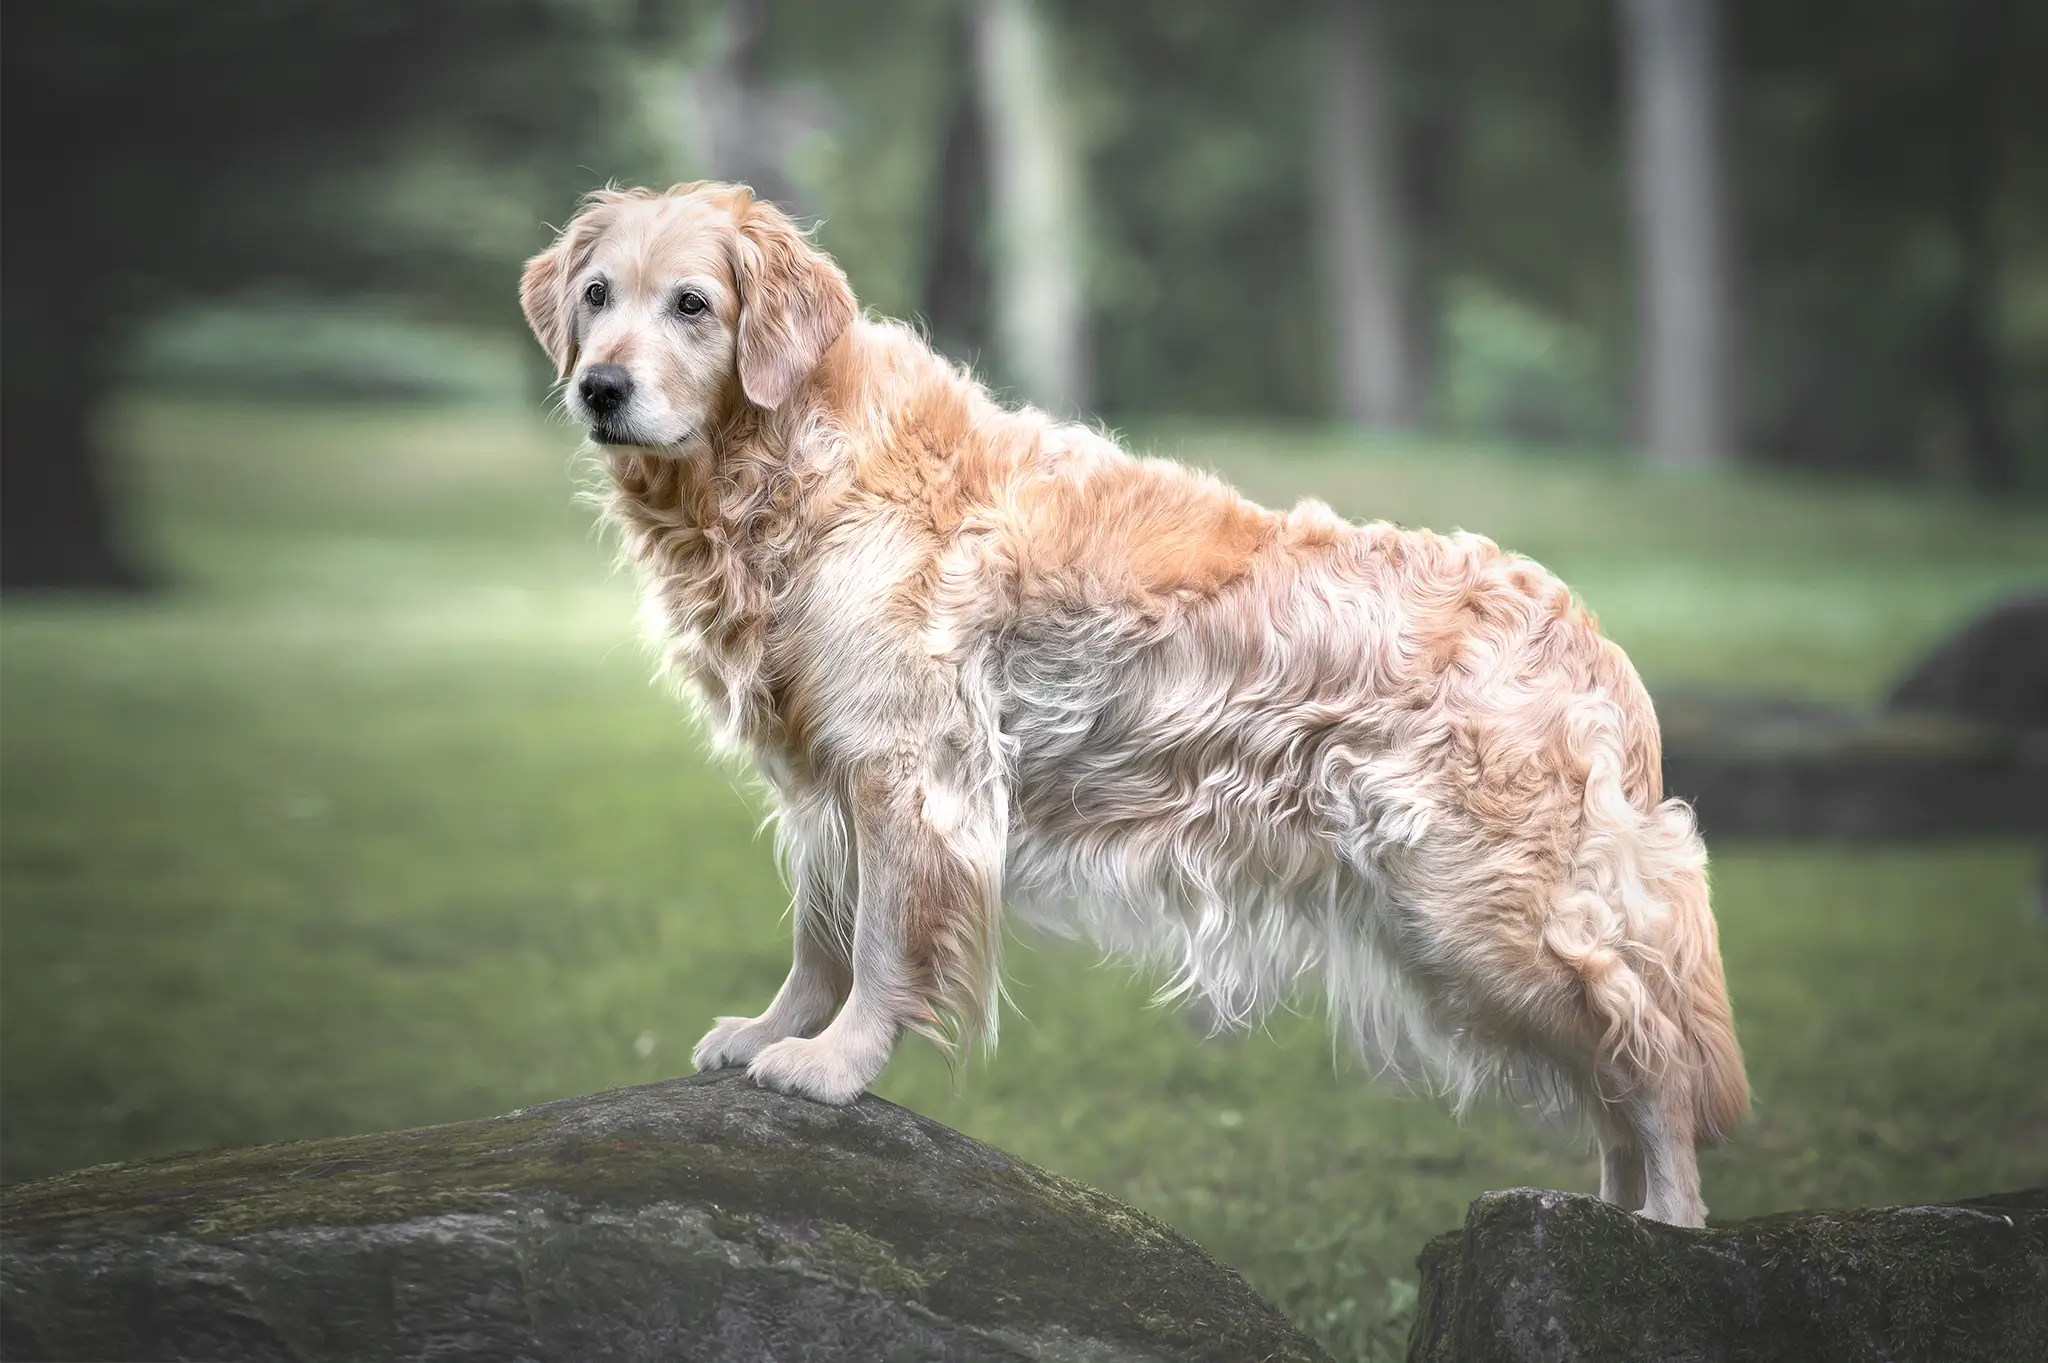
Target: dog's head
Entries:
(664, 311)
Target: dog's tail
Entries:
(1635, 925)
(1720, 1088)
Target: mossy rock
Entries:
(1993, 671)
(1755, 766)
(699, 1219)
(1569, 1279)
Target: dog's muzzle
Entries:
(605, 391)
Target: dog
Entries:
(989, 662)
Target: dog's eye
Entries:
(689, 303)
(593, 293)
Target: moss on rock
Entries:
(1558, 1277)
(702, 1218)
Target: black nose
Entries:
(605, 388)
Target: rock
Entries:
(1960, 747)
(1757, 766)
(1994, 672)
(1563, 1278)
(700, 1219)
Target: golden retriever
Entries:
(985, 659)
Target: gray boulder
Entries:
(700, 1219)
(1961, 746)
(1569, 1279)
(1993, 672)
(1758, 767)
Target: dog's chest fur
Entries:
(717, 549)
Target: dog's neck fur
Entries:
(717, 534)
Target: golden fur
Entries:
(986, 659)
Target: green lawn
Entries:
(378, 820)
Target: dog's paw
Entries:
(809, 1068)
(1678, 1213)
(734, 1041)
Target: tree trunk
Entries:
(740, 127)
(1431, 147)
(57, 527)
(1039, 321)
(1360, 219)
(1982, 30)
(956, 283)
(1672, 72)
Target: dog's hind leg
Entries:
(1643, 1109)
(1562, 1003)
(1621, 1172)
(1663, 1126)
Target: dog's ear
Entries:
(794, 302)
(543, 288)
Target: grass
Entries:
(378, 821)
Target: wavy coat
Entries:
(986, 659)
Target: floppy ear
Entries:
(543, 288)
(794, 302)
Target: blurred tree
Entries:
(1037, 276)
(1197, 125)
(740, 124)
(1362, 219)
(1870, 160)
(156, 152)
(1982, 33)
(1892, 211)
(1896, 230)
(1671, 58)
(956, 274)
(1511, 132)
(1210, 172)
(734, 134)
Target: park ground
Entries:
(376, 818)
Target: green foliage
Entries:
(292, 347)
(1507, 367)
(1854, 144)
(1196, 121)
(417, 151)
(383, 822)
(164, 151)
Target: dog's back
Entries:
(1406, 762)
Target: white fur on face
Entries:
(681, 366)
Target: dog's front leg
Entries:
(820, 973)
(816, 985)
(927, 858)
